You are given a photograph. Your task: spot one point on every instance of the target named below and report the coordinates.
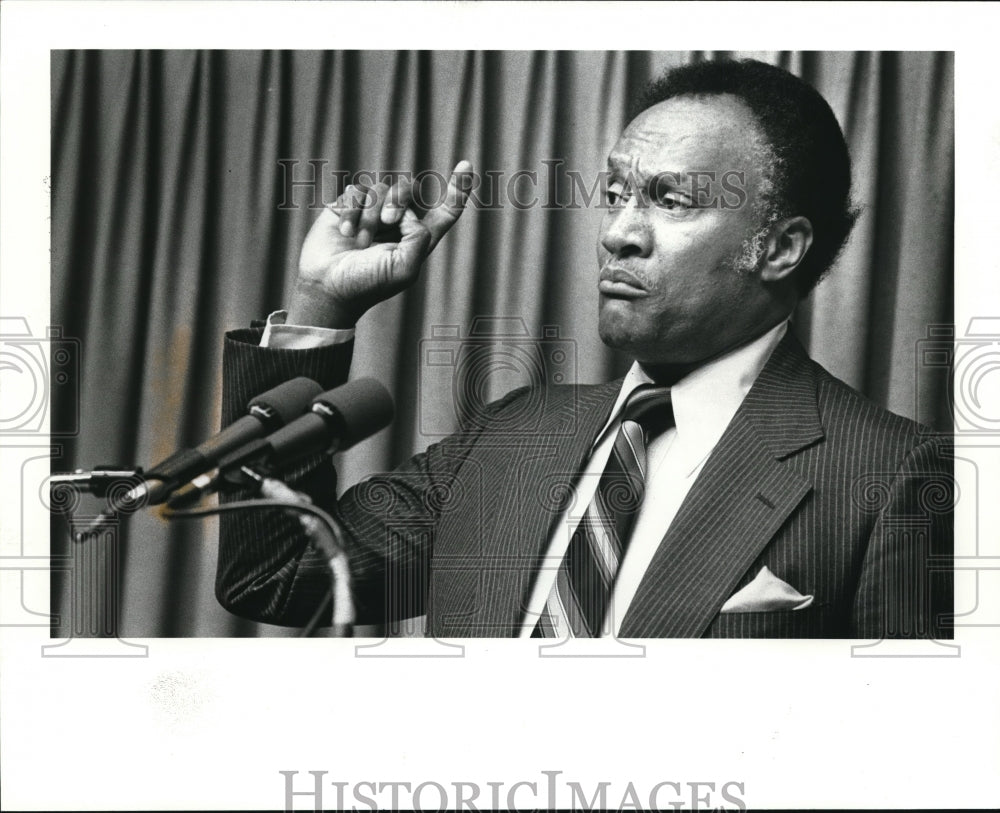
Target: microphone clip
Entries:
(227, 480)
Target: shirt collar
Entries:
(705, 400)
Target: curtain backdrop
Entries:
(172, 222)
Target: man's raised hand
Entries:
(368, 246)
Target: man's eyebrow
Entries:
(621, 166)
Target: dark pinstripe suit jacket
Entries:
(838, 497)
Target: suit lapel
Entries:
(534, 476)
(743, 495)
(550, 463)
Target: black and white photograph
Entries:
(436, 344)
(591, 283)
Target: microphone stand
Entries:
(94, 481)
(322, 530)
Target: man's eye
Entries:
(665, 194)
(615, 197)
(667, 198)
(672, 201)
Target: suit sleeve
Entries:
(268, 572)
(906, 586)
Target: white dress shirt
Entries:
(704, 403)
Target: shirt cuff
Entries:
(300, 337)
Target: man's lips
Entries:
(617, 282)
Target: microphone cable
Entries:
(335, 548)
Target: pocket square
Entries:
(766, 593)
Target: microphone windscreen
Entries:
(361, 407)
(287, 401)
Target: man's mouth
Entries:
(619, 283)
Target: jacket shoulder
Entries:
(849, 417)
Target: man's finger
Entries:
(348, 208)
(396, 201)
(411, 250)
(371, 212)
(441, 218)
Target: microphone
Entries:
(265, 413)
(338, 419)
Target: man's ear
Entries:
(787, 244)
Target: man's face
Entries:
(670, 241)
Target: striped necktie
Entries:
(585, 581)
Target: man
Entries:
(728, 486)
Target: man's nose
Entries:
(626, 231)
